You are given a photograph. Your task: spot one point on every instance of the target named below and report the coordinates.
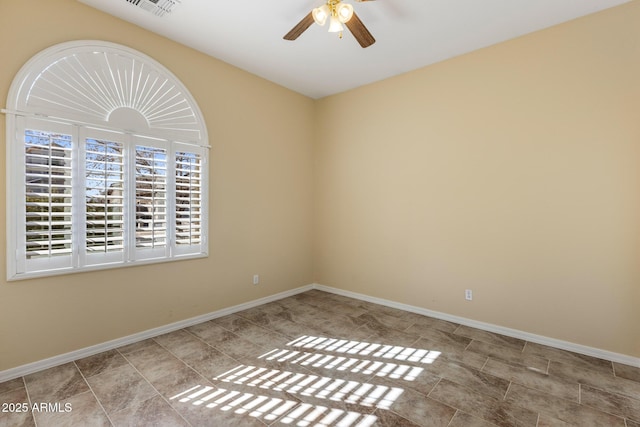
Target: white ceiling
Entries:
(409, 34)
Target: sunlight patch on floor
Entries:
(337, 389)
(273, 408)
(347, 364)
(384, 351)
(305, 353)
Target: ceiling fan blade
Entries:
(300, 28)
(360, 32)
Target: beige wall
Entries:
(260, 199)
(513, 171)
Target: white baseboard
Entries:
(40, 365)
(539, 339)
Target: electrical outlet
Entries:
(468, 295)
(256, 279)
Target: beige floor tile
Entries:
(599, 379)
(260, 336)
(232, 322)
(175, 385)
(151, 412)
(82, 410)
(260, 315)
(181, 343)
(490, 337)
(554, 386)
(445, 338)
(137, 346)
(154, 361)
(55, 384)
(422, 410)
(560, 409)
(11, 385)
(210, 362)
(93, 365)
(423, 384)
(18, 409)
(474, 379)
(339, 308)
(545, 420)
(211, 333)
(386, 320)
(451, 351)
(391, 337)
(612, 403)
(386, 418)
(443, 342)
(626, 371)
(423, 322)
(578, 360)
(513, 356)
(120, 388)
(462, 419)
(238, 347)
(489, 409)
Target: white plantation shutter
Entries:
(151, 201)
(106, 163)
(104, 192)
(95, 198)
(47, 194)
(189, 176)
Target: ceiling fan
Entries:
(337, 13)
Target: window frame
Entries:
(22, 116)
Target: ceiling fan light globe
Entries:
(334, 25)
(345, 12)
(320, 14)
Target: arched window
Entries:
(107, 163)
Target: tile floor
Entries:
(323, 359)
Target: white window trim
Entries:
(166, 114)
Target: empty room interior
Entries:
(456, 244)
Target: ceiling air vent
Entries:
(157, 7)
